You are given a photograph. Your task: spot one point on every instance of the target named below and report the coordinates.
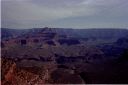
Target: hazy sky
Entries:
(64, 13)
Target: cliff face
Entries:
(13, 75)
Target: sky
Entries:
(64, 13)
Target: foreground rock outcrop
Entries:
(13, 75)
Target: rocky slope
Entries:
(13, 75)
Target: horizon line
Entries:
(64, 28)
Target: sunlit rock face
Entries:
(13, 75)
